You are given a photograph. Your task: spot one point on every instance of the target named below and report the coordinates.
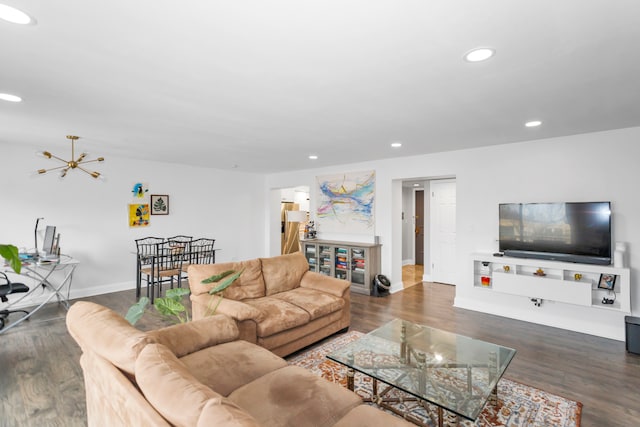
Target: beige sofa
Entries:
(278, 303)
(197, 374)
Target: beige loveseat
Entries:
(278, 303)
(196, 374)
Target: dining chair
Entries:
(184, 242)
(146, 250)
(202, 251)
(167, 266)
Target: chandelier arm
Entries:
(93, 174)
(91, 161)
(58, 158)
(53, 169)
(81, 157)
(83, 170)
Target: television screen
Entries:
(576, 232)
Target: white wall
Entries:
(91, 216)
(242, 210)
(596, 166)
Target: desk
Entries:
(41, 275)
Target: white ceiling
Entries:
(262, 84)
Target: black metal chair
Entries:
(202, 251)
(167, 266)
(183, 242)
(146, 249)
(9, 288)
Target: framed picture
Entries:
(607, 281)
(159, 204)
(138, 215)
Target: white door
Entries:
(443, 231)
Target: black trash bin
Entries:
(632, 334)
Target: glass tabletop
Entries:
(452, 371)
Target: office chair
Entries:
(10, 288)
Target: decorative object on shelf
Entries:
(506, 268)
(73, 163)
(485, 280)
(159, 204)
(607, 281)
(618, 255)
(310, 230)
(577, 277)
(540, 272)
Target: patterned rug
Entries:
(519, 405)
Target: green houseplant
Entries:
(10, 253)
(171, 306)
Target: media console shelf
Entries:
(565, 282)
(358, 263)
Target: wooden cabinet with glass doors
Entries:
(356, 262)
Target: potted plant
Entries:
(171, 305)
(10, 253)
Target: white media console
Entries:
(563, 282)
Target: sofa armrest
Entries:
(320, 282)
(187, 338)
(237, 310)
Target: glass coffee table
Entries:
(455, 373)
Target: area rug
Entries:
(518, 405)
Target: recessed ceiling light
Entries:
(479, 54)
(396, 144)
(16, 16)
(9, 97)
(313, 157)
(533, 123)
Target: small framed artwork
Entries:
(159, 204)
(607, 281)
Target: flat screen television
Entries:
(573, 232)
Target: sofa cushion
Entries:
(223, 412)
(284, 272)
(316, 303)
(105, 332)
(277, 315)
(189, 337)
(169, 386)
(249, 285)
(225, 367)
(293, 396)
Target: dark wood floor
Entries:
(41, 380)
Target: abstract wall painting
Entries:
(140, 191)
(139, 215)
(345, 203)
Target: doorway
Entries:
(293, 200)
(429, 214)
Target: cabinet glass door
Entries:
(310, 254)
(358, 266)
(324, 260)
(342, 264)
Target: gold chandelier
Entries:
(71, 164)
